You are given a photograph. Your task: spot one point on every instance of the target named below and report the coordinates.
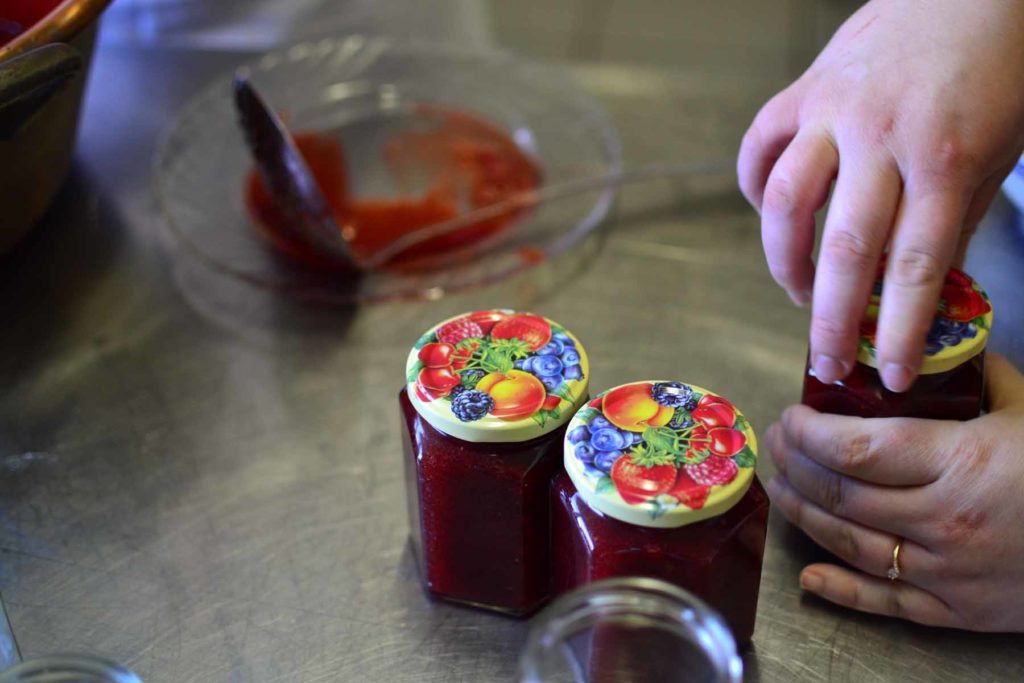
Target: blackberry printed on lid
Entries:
(497, 376)
(660, 453)
(959, 330)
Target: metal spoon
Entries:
(286, 174)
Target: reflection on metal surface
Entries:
(227, 504)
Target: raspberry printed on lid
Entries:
(958, 333)
(497, 376)
(660, 453)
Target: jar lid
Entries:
(497, 376)
(959, 331)
(660, 453)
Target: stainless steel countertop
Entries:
(203, 482)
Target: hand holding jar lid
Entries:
(659, 482)
(952, 371)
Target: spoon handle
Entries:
(544, 194)
(285, 172)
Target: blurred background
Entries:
(770, 38)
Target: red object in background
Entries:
(952, 395)
(479, 520)
(17, 16)
(718, 559)
(472, 161)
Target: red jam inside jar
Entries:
(484, 414)
(951, 384)
(659, 482)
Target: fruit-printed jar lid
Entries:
(959, 331)
(660, 453)
(497, 376)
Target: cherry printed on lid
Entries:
(660, 453)
(497, 376)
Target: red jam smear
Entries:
(956, 394)
(478, 514)
(472, 163)
(17, 16)
(718, 559)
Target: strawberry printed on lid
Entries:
(497, 376)
(660, 453)
(958, 333)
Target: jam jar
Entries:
(659, 482)
(951, 383)
(487, 399)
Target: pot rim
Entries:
(61, 25)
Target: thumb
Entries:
(1005, 383)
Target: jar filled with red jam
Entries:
(488, 395)
(659, 482)
(951, 383)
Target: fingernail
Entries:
(828, 369)
(897, 377)
(800, 297)
(810, 581)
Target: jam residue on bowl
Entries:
(471, 163)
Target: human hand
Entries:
(916, 110)
(949, 490)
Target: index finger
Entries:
(889, 451)
(856, 230)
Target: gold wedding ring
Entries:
(894, 570)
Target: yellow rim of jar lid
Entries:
(964, 310)
(671, 427)
(528, 375)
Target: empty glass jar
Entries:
(629, 630)
(68, 669)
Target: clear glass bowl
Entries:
(363, 90)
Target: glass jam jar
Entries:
(629, 629)
(659, 482)
(485, 408)
(68, 669)
(951, 384)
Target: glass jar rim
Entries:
(40, 670)
(666, 605)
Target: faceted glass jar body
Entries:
(478, 514)
(717, 559)
(952, 395)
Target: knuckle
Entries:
(829, 330)
(848, 547)
(916, 267)
(952, 158)
(878, 129)
(856, 596)
(853, 454)
(833, 494)
(797, 510)
(894, 606)
(781, 197)
(847, 250)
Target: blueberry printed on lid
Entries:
(959, 330)
(497, 376)
(660, 453)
